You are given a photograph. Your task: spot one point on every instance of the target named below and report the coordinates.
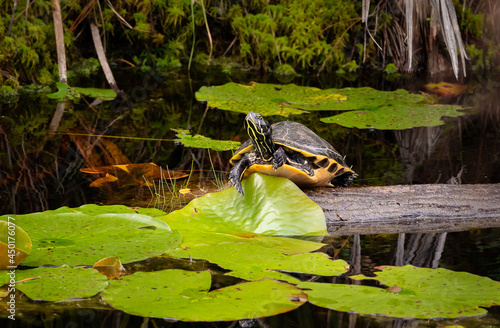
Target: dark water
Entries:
(41, 171)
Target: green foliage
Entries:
(89, 233)
(366, 107)
(62, 283)
(199, 141)
(229, 212)
(64, 91)
(413, 293)
(184, 295)
(301, 35)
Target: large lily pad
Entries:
(184, 295)
(252, 262)
(389, 110)
(15, 244)
(367, 107)
(414, 292)
(290, 246)
(271, 206)
(268, 99)
(198, 141)
(59, 284)
(90, 233)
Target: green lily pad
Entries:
(271, 206)
(93, 209)
(72, 93)
(15, 244)
(414, 293)
(389, 110)
(59, 284)
(367, 107)
(198, 141)
(252, 262)
(184, 295)
(290, 246)
(268, 99)
(67, 236)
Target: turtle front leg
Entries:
(237, 172)
(279, 158)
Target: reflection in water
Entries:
(422, 250)
(415, 146)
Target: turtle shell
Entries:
(294, 137)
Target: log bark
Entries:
(409, 208)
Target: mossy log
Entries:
(409, 208)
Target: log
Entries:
(408, 208)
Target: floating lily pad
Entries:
(59, 284)
(367, 107)
(392, 116)
(268, 99)
(420, 293)
(252, 262)
(198, 141)
(15, 244)
(290, 246)
(71, 93)
(184, 295)
(271, 206)
(86, 235)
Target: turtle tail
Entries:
(344, 180)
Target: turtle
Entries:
(291, 150)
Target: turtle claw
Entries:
(279, 158)
(236, 174)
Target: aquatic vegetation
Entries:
(184, 295)
(198, 141)
(365, 107)
(58, 284)
(89, 233)
(412, 292)
(15, 244)
(64, 92)
(209, 230)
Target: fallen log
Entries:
(409, 208)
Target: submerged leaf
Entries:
(87, 234)
(59, 284)
(446, 89)
(199, 141)
(424, 293)
(131, 174)
(184, 295)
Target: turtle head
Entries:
(260, 132)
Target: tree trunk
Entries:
(101, 54)
(61, 52)
(409, 208)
